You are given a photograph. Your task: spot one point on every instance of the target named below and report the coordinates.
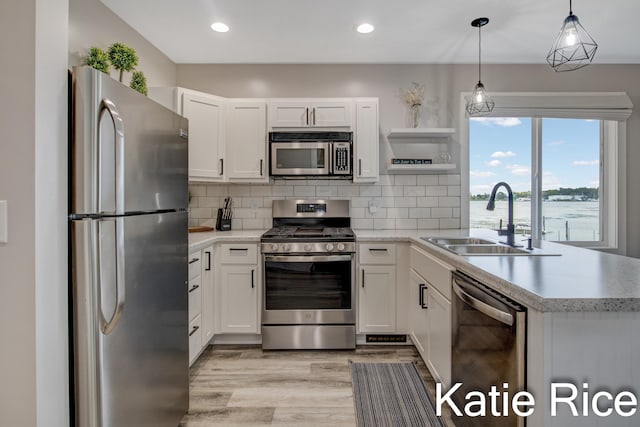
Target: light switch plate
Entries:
(4, 233)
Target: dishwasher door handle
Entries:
(483, 307)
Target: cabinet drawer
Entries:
(195, 297)
(195, 263)
(241, 253)
(371, 253)
(195, 338)
(434, 271)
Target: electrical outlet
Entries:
(373, 206)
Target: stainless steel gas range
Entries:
(309, 270)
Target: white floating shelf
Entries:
(416, 133)
(420, 168)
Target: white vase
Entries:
(414, 115)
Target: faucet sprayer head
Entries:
(491, 205)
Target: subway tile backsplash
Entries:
(395, 202)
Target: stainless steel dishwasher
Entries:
(488, 348)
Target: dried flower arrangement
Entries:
(415, 95)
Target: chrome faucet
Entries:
(510, 231)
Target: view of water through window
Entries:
(500, 150)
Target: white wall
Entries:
(443, 86)
(33, 285)
(91, 23)
(17, 275)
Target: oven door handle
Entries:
(483, 307)
(307, 258)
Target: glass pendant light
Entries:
(573, 48)
(480, 103)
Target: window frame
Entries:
(612, 110)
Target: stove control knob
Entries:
(274, 247)
(308, 248)
(341, 246)
(329, 247)
(286, 247)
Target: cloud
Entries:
(519, 169)
(594, 183)
(494, 163)
(481, 189)
(550, 181)
(585, 162)
(481, 174)
(502, 154)
(498, 121)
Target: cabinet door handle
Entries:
(252, 284)
(307, 114)
(313, 114)
(363, 277)
(377, 249)
(208, 260)
(192, 260)
(261, 161)
(194, 288)
(421, 290)
(221, 167)
(193, 331)
(360, 167)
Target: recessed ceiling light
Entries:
(364, 28)
(220, 27)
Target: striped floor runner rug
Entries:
(391, 395)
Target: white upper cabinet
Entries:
(206, 129)
(366, 147)
(206, 135)
(300, 113)
(246, 140)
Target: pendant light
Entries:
(573, 48)
(480, 103)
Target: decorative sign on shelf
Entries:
(411, 161)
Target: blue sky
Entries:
(500, 150)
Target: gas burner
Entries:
(297, 228)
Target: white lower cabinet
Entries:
(194, 294)
(208, 318)
(377, 288)
(377, 299)
(418, 323)
(430, 312)
(439, 336)
(200, 296)
(239, 287)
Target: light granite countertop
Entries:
(201, 240)
(577, 280)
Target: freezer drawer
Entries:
(129, 290)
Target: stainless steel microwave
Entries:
(315, 154)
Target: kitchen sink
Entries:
(493, 249)
(457, 240)
(474, 246)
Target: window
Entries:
(561, 162)
(500, 149)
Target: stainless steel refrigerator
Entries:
(128, 256)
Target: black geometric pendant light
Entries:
(573, 48)
(480, 103)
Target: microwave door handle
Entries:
(332, 160)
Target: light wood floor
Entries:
(245, 386)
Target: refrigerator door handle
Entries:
(118, 127)
(108, 325)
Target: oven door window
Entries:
(307, 285)
(300, 158)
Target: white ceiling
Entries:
(407, 31)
